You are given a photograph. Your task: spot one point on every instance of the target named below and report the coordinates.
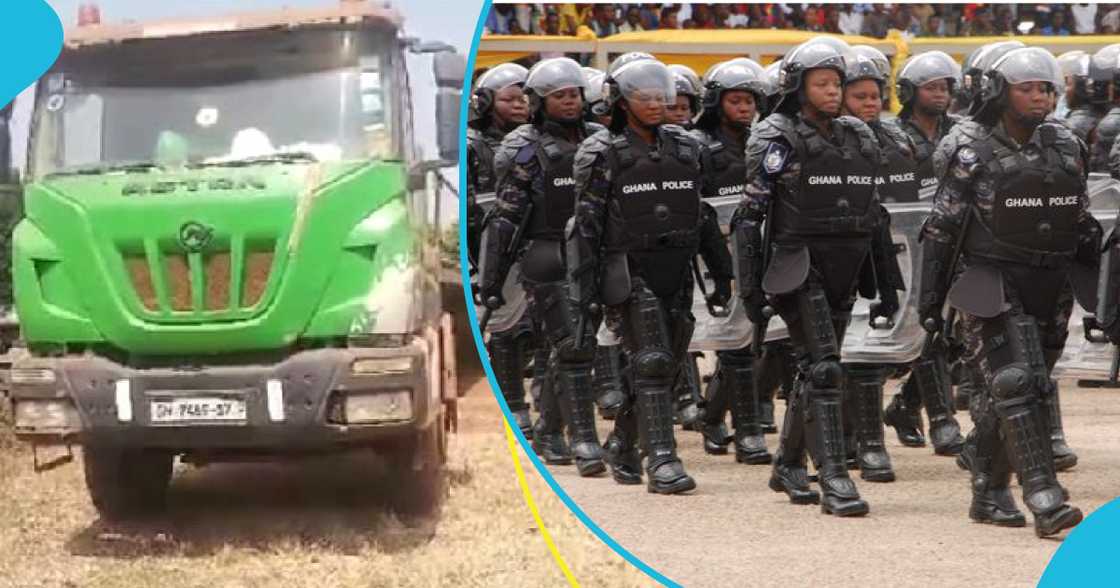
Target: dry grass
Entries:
(317, 523)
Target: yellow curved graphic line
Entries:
(512, 441)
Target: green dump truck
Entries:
(230, 251)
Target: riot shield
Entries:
(1083, 358)
(510, 313)
(898, 344)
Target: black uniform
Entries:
(822, 199)
(732, 386)
(638, 224)
(507, 349)
(923, 149)
(534, 169)
(1029, 224)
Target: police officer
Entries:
(863, 89)
(1083, 114)
(534, 191)
(1015, 200)
(638, 224)
(687, 105)
(497, 107)
(733, 92)
(925, 86)
(883, 65)
(1103, 71)
(811, 175)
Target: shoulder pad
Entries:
(518, 146)
(775, 125)
(900, 139)
(593, 127)
(954, 119)
(473, 134)
(590, 150)
(701, 136)
(857, 125)
(677, 132)
(769, 155)
(1062, 133)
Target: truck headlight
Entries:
(381, 366)
(32, 376)
(45, 414)
(378, 407)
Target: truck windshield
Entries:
(217, 99)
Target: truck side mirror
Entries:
(447, 130)
(448, 69)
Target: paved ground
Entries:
(318, 523)
(734, 531)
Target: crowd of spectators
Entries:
(874, 20)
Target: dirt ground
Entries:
(314, 523)
(734, 531)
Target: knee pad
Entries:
(826, 374)
(1012, 381)
(653, 364)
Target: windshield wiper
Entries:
(282, 157)
(102, 168)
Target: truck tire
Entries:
(126, 484)
(418, 475)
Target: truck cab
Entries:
(228, 252)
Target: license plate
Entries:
(186, 410)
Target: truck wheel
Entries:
(127, 483)
(420, 491)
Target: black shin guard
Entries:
(866, 386)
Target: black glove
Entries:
(721, 295)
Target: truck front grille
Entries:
(174, 283)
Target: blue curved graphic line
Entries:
(463, 265)
(1087, 556)
(31, 38)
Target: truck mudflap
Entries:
(312, 400)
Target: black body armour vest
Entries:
(553, 207)
(728, 176)
(1034, 223)
(836, 196)
(899, 181)
(1037, 204)
(657, 195)
(543, 261)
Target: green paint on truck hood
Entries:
(212, 260)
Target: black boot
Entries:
(789, 474)
(548, 432)
(874, 461)
(904, 414)
(717, 399)
(825, 439)
(1029, 450)
(1064, 457)
(944, 431)
(576, 397)
(687, 389)
(621, 448)
(768, 377)
(750, 444)
(609, 386)
(507, 360)
(664, 469)
(992, 502)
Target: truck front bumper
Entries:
(312, 400)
